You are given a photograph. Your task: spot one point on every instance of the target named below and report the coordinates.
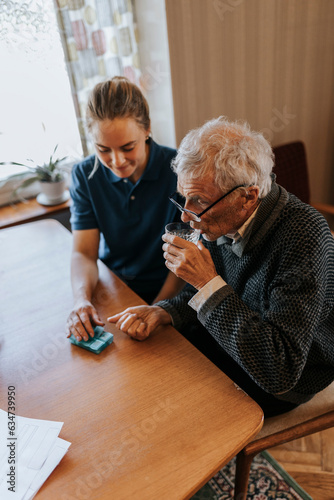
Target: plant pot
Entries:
(53, 193)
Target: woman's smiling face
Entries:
(121, 146)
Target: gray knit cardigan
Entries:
(275, 317)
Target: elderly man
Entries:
(260, 295)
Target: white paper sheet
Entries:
(28, 457)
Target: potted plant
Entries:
(51, 177)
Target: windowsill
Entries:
(28, 211)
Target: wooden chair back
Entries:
(291, 169)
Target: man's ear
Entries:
(252, 196)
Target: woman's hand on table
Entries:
(138, 322)
(81, 320)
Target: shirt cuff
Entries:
(205, 292)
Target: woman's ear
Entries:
(148, 134)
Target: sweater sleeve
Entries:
(182, 314)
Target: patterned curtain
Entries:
(100, 41)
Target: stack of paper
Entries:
(30, 450)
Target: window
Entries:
(37, 110)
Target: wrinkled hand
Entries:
(189, 261)
(81, 320)
(138, 322)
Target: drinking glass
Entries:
(183, 230)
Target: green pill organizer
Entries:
(96, 344)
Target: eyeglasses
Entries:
(193, 215)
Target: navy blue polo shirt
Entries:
(130, 217)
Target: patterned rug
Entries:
(267, 481)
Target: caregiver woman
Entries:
(120, 203)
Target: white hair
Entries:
(230, 151)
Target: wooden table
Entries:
(147, 420)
